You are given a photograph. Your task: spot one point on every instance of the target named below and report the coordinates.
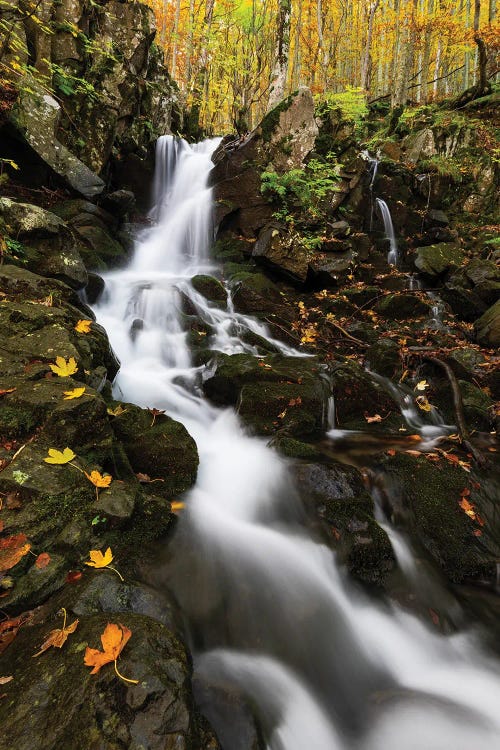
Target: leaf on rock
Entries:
(176, 506)
(98, 480)
(4, 391)
(83, 326)
(59, 457)
(5, 680)
(98, 560)
(421, 385)
(64, 369)
(116, 411)
(75, 393)
(113, 640)
(423, 404)
(42, 560)
(10, 628)
(73, 576)
(12, 550)
(57, 638)
(375, 418)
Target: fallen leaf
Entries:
(422, 385)
(64, 369)
(73, 576)
(57, 638)
(98, 480)
(146, 479)
(295, 401)
(98, 560)
(75, 393)
(83, 326)
(467, 507)
(59, 457)
(423, 404)
(375, 418)
(176, 506)
(155, 413)
(113, 639)
(5, 680)
(116, 411)
(12, 550)
(10, 628)
(42, 560)
(3, 391)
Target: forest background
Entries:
(234, 59)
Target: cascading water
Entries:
(268, 609)
(393, 256)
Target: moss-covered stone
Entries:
(210, 288)
(297, 409)
(401, 306)
(435, 260)
(159, 447)
(487, 328)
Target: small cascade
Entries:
(267, 606)
(373, 162)
(393, 255)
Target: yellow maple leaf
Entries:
(422, 385)
(64, 369)
(75, 393)
(59, 457)
(83, 326)
(116, 411)
(176, 506)
(98, 560)
(423, 404)
(98, 480)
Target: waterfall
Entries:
(393, 256)
(268, 608)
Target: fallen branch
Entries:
(459, 410)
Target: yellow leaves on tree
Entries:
(59, 457)
(12, 550)
(57, 638)
(83, 326)
(64, 368)
(113, 639)
(75, 393)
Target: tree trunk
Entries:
(365, 71)
(282, 49)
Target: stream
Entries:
(268, 609)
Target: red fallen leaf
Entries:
(391, 452)
(477, 532)
(42, 560)
(1, 526)
(12, 550)
(73, 576)
(3, 391)
(9, 629)
(12, 501)
(434, 617)
(335, 533)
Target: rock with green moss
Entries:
(384, 358)
(402, 306)
(254, 293)
(487, 327)
(210, 288)
(435, 260)
(433, 493)
(101, 710)
(358, 395)
(45, 242)
(345, 508)
(297, 409)
(159, 447)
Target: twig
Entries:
(459, 409)
(345, 333)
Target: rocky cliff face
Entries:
(94, 93)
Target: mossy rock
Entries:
(161, 448)
(99, 710)
(345, 508)
(384, 358)
(433, 492)
(297, 409)
(436, 260)
(254, 293)
(402, 306)
(232, 372)
(487, 328)
(357, 395)
(210, 288)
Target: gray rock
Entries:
(435, 260)
(487, 328)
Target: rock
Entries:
(210, 288)
(339, 229)
(345, 508)
(419, 145)
(384, 358)
(100, 250)
(401, 306)
(100, 710)
(254, 293)
(438, 521)
(297, 409)
(117, 504)
(119, 203)
(473, 204)
(435, 260)
(437, 218)
(476, 405)
(284, 252)
(332, 271)
(229, 714)
(464, 362)
(94, 288)
(35, 118)
(48, 244)
(487, 327)
(163, 449)
(357, 395)
(281, 142)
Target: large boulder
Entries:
(280, 143)
(435, 260)
(487, 328)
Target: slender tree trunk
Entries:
(175, 41)
(427, 51)
(481, 49)
(282, 50)
(365, 71)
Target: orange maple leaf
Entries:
(114, 639)
(42, 560)
(98, 480)
(12, 550)
(57, 637)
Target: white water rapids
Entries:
(269, 610)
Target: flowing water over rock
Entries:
(267, 608)
(393, 255)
